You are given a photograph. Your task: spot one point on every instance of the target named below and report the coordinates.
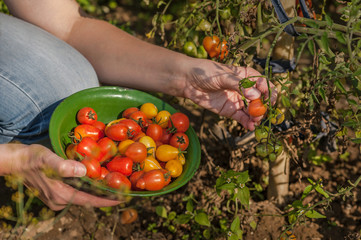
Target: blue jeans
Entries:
(37, 71)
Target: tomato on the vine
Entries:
(86, 115)
(120, 164)
(117, 180)
(223, 50)
(201, 52)
(179, 140)
(178, 122)
(211, 45)
(190, 49)
(261, 134)
(152, 181)
(256, 108)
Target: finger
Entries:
(262, 86)
(64, 168)
(251, 93)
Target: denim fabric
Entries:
(37, 71)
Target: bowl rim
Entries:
(57, 145)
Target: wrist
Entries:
(10, 154)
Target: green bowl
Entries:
(109, 102)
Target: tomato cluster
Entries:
(143, 150)
(268, 148)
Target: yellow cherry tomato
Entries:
(150, 163)
(149, 109)
(123, 145)
(162, 118)
(181, 158)
(166, 152)
(150, 144)
(174, 167)
(278, 117)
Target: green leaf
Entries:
(311, 23)
(246, 83)
(202, 219)
(314, 214)
(292, 218)
(311, 47)
(236, 224)
(227, 186)
(314, 97)
(321, 91)
(172, 215)
(319, 189)
(328, 20)
(285, 101)
(357, 72)
(253, 225)
(297, 204)
(244, 195)
(183, 218)
(340, 37)
(324, 45)
(161, 211)
(189, 205)
(307, 191)
(233, 237)
(356, 140)
(239, 234)
(352, 102)
(351, 124)
(243, 177)
(340, 87)
(207, 234)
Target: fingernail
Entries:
(80, 171)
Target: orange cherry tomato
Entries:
(223, 50)
(166, 152)
(211, 45)
(128, 216)
(149, 109)
(162, 118)
(256, 108)
(150, 163)
(174, 167)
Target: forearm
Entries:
(121, 59)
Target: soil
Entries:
(265, 219)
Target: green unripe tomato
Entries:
(262, 150)
(225, 13)
(201, 52)
(204, 25)
(261, 134)
(272, 157)
(190, 49)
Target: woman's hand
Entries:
(216, 87)
(32, 161)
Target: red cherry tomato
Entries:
(103, 173)
(133, 127)
(179, 140)
(88, 147)
(152, 181)
(179, 122)
(154, 131)
(137, 152)
(117, 180)
(117, 132)
(93, 168)
(134, 177)
(85, 130)
(223, 50)
(100, 125)
(120, 164)
(256, 108)
(86, 115)
(166, 136)
(108, 148)
(167, 175)
(140, 118)
(127, 112)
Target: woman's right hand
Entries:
(32, 161)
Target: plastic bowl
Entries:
(109, 102)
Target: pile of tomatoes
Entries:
(143, 150)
